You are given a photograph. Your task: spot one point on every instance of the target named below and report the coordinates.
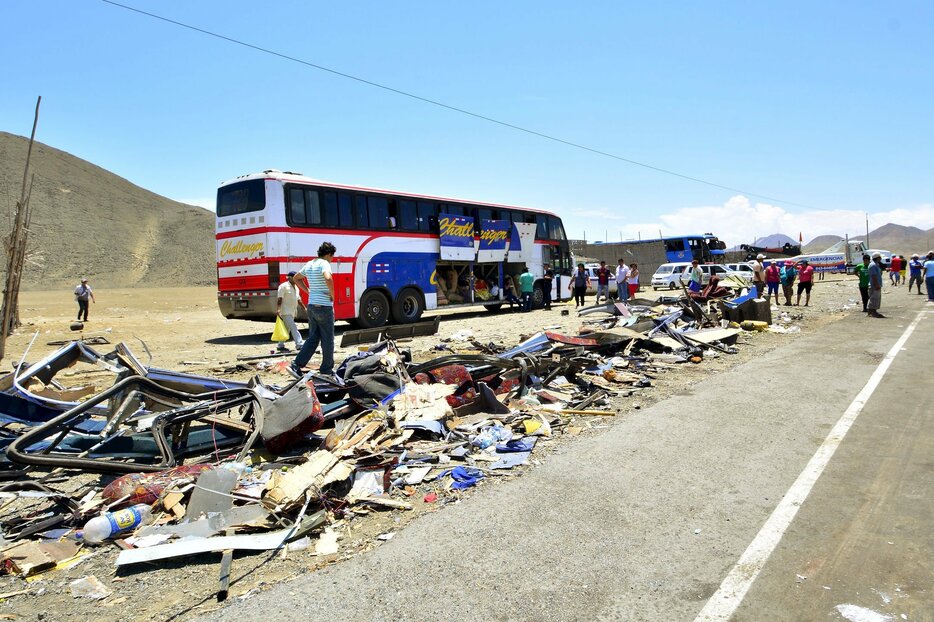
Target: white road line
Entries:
(727, 599)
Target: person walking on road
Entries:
(788, 281)
(578, 285)
(862, 271)
(805, 281)
(875, 286)
(83, 293)
(286, 307)
(548, 277)
(895, 270)
(929, 276)
(622, 284)
(315, 279)
(526, 287)
(915, 267)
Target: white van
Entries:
(668, 275)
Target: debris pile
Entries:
(167, 465)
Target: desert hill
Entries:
(88, 221)
(895, 238)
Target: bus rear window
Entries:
(240, 198)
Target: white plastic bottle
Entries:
(109, 524)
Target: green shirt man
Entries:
(526, 282)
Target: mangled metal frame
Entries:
(122, 396)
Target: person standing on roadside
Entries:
(915, 267)
(758, 276)
(929, 276)
(286, 308)
(315, 279)
(875, 286)
(549, 278)
(695, 276)
(578, 285)
(862, 271)
(83, 293)
(805, 281)
(633, 280)
(603, 282)
(526, 287)
(773, 278)
(622, 284)
(904, 269)
(788, 281)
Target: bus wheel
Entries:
(538, 297)
(494, 308)
(374, 309)
(408, 306)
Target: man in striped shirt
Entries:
(315, 279)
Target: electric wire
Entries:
(452, 108)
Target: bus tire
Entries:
(374, 309)
(408, 306)
(538, 296)
(494, 308)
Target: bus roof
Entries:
(705, 236)
(299, 178)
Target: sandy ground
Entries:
(183, 329)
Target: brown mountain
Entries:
(820, 243)
(894, 238)
(86, 221)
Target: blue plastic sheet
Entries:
(464, 477)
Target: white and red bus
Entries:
(398, 254)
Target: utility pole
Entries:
(867, 229)
(16, 248)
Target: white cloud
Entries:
(739, 221)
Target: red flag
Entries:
(800, 237)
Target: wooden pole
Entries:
(16, 251)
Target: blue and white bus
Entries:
(398, 254)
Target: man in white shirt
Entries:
(622, 276)
(286, 307)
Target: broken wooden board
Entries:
(28, 558)
(322, 468)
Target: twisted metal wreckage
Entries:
(242, 465)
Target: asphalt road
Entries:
(646, 520)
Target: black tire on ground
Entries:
(374, 309)
(408, 306)
(671, 285)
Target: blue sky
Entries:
(820, 104)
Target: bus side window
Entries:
(361, 216)
(452, 209)
(541, 226)
(408, 216)
(330, 208)
(427, 216)
(483, 213)
(313, 214)
(297, 206)
(345, 209)
(378, 208)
